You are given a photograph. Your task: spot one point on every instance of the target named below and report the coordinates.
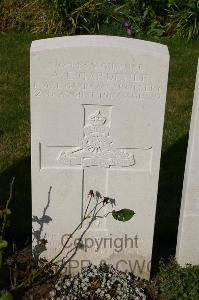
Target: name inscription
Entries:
(101, 81)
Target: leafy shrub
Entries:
(183, 18)
(176, 282)
(91, 16)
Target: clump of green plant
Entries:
(183, 18)
(174, 282)
(79, 16)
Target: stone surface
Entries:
(97, 111)
(187, 251)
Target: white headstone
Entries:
(187, 251)
(97, 111)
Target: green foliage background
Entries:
(153, 18)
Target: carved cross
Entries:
(97, 154)
(97, 150)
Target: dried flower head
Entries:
(106, 200)
(43, 242)
(91, 194)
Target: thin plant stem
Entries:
(67, 241)
(87, 206)
(87, 215)
(7, 204)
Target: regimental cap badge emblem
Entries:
(97, 147)
(97, 119)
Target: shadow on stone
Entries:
(169, 201)
(38, 235)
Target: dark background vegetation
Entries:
(145, 17)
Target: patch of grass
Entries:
(14, 98)
(183, 65)
(30, 16)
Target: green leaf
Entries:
(123, 214)
(5, 295)
(3, 244)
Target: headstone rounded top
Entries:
(97, 41)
